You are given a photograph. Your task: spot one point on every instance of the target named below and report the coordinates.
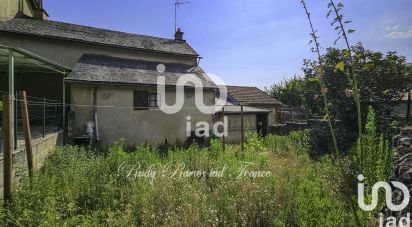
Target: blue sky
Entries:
(253, 42)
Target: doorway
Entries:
(261, 124)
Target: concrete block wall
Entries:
(41, 149)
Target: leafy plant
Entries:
(376, 156)
(254, 143)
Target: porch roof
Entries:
(25, 61)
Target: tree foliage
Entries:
(290, 91)
(382, 79)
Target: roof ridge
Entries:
(242, 86)
(100, 36)
(98, 28)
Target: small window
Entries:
(145, 100)
(140, 100)
(153, 100)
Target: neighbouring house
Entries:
(254, 97)
(287, 114)
(106, 79)
(404, 104)
(404, 108)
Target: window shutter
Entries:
(141, 99)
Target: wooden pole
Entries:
(8, 146)
(223, 138)
(15, 120)
(11, 93)
(408, 108)
(242, 133)
(44, 117)
(27, 133)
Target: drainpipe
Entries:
(95, 115)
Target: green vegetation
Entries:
(80, 186)
(383, 79)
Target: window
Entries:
(153, 100)
(140, 100)
(145, 100)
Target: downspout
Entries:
(95, 115)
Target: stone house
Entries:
(111, 82)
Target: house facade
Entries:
(112, 86)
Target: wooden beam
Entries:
(8, 147)
(27, 133)
(11, 92)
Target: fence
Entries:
(45, 116)
(291, 115)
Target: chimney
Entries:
(38, 11)
(179, 35)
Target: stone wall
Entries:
(402, 167)
(41, 149)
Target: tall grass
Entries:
(78, 187)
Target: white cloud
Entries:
(393, 28)
(401, 34)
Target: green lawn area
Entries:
(183, 187)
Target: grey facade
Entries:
(107, 67)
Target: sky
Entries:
(251, 43)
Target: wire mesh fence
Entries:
(45, 116)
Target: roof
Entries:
(250, 96)
(25, 61)
(105, 69)
(231, 109)
(72, 32)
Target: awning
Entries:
(25, 61)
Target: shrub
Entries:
(254, 143)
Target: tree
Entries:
(382, 79)
(290, 91)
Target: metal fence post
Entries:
(8, 146)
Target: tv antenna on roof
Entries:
(177, 4)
